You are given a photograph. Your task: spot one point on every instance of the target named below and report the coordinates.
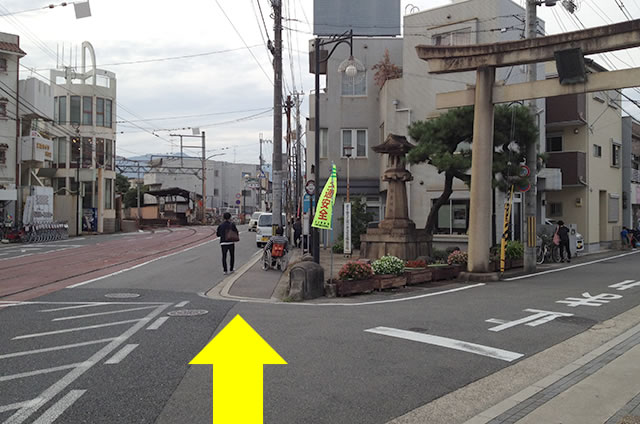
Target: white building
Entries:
(85, 108)
(10, 54)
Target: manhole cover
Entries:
(187, 312)
(121, 295)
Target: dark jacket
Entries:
(563, 232)
(222, 230)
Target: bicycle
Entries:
(546, 251)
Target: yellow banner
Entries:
(324, 209)
(505, 231)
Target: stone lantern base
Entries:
(406, 243)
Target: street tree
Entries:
(445, 142)
(122, 184)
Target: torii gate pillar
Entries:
(481, 172)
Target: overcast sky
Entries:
(226, 89)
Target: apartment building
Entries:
(630, 172)
(584, 140)
(10, 54)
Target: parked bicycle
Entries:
(546, 251)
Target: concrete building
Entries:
(225, 181)
(10, 54)
(630, 172)
(353, 112)
(85, 109)
(584, 140)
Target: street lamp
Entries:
(351, 70)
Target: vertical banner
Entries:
(347, 228)
(505, 230)
(324, 208)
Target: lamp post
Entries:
(347, 151)
(351, 70)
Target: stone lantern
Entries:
(396, 233)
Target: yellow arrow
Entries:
(238, 354)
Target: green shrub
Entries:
(514, 250)
(439, 255)
(388, 265)
(338, 246)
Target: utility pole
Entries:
(276, 218)
(260, 179)
(288, 106)
(532, 158)
(204, 181)
(298, 155)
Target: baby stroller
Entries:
(276, 258)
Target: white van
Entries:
(264, 230)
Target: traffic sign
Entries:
(310, 187)
(524, 171)
(238, 202)
(238, 195)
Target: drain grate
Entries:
(121, 295)
(187, 312)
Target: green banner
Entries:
(324, 209)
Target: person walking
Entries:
(229, 235)
(563, 233)
(297, 232)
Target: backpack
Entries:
(277, 250)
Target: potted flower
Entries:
(458, 260)
(417, 272)
(389, 272)
(355, 277)
(514, 253)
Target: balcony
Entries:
(573, 166)
(635, 176)
(567, 110)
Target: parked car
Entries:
(264, 229)
(253, 222)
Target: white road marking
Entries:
(181, 304)
(70, 330)
(58, 408)
(38, 372)
(491, 352)
(24, 413)
(28, 302)
(84, 305)
(51, 349)
(3, 254)
(121, 354)
(157, 323)
(539, 317)
(103, 313)
(93, 280)
(16, 257)
(571, 266)
(18, 405)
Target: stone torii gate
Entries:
(484, 59)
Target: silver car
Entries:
(253, 222)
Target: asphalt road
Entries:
(97, 360)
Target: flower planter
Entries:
(389, 281)
(440, 272)
(516, 263)
(347, 287)
(417, 275)
(456, 269)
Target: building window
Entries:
(3, 107)
(108, 194)
(355, 85)
(75, 152)
(215, 192)
(324, 143)
(107, 113)
(75, 110)
(216, 173)
(460, 37)
(100, 112)
(614, 207)
(554, 143)
(616, 150)
(3, 64)
(356, 139)
(555, 209)
(108, 154)
(62, 110)
(100, 152)
(87, 111)
(87, 152)
(62, 152)
(597, 150)
(454, 217)
(3, 153)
